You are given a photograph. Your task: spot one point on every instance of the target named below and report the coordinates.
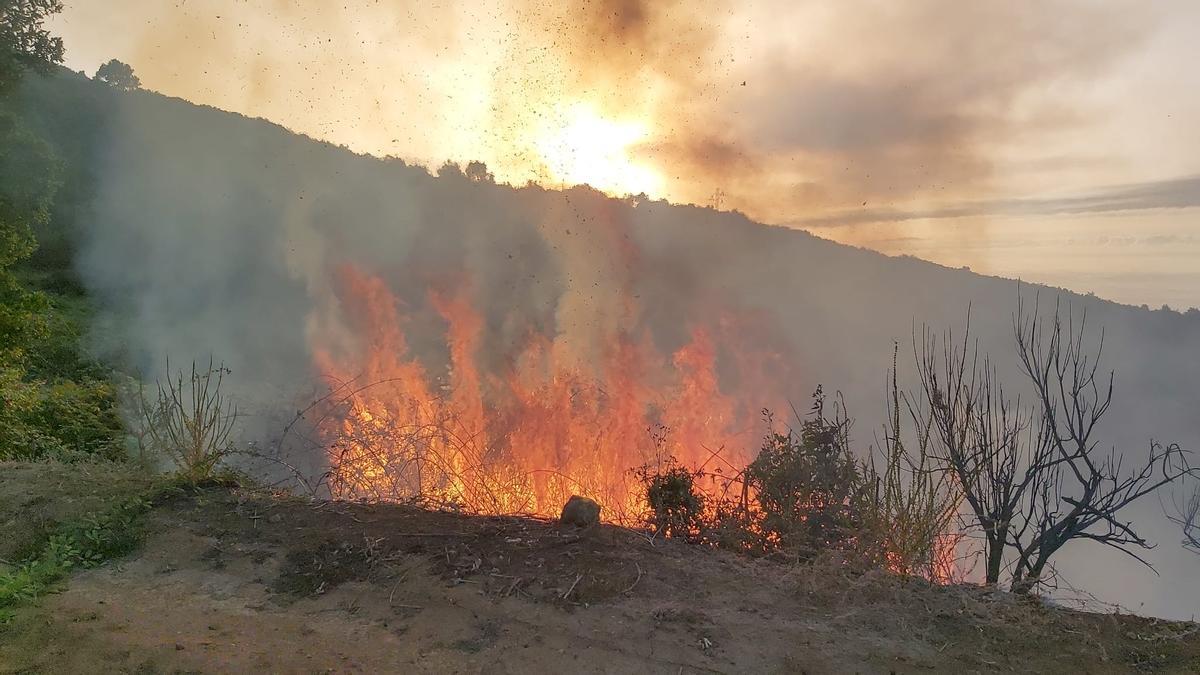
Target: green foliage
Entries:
(28, 181)
(80, 544)
(676, 504)
(66, 420)
(24, 42)
(29, 178)
(54, 401)
(118, 75)
(807, 483)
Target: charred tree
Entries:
(1185, 512)
(1034, 474)
(994, 446)
(1079, 491)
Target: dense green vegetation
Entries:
(55, 400)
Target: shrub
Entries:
(908, 514)
(85, 543)
(676, 504)
(806, 484)
(64, 420)
(805, 495)
(190, 420)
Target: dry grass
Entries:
(401, 573)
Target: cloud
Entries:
(1174, 193)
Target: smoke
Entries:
(217, 235)
(790, 109)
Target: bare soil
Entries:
(243, 580)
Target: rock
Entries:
(580, 512)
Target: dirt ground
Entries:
(241, 580)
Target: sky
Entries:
(1051, 141)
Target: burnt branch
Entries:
(1034, 473)
(1079, 491)
(989, 441)
(1184, 511)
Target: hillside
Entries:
(201, 232)
(239, 579)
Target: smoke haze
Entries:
(213, 234)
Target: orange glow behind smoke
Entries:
(524, 440)
(583, 147)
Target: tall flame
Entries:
(526, 438)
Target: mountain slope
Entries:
(203, 232)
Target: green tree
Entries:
(28, 171)
(118, 75)
(71, 411)
(24, 41)
(28, 181)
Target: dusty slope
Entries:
(242, 581)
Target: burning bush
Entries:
(798, 495)
(805, 496)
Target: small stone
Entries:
(580, 512)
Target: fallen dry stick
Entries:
(635, 581)
(573, 585)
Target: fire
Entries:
(524, 437)
(428, 402)
(584, 147)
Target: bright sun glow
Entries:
(588, 148)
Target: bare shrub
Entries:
(909, 517)
(1184, 511)
(995, 447)
(190, 420)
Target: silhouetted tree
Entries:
(1080, 491)
(1036, 478)
(449, 169)
(478, 172)
(1185, 512)
(119, 75)
(994, 448)
(24, 42)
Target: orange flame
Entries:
(525, 437)
(523, 440)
